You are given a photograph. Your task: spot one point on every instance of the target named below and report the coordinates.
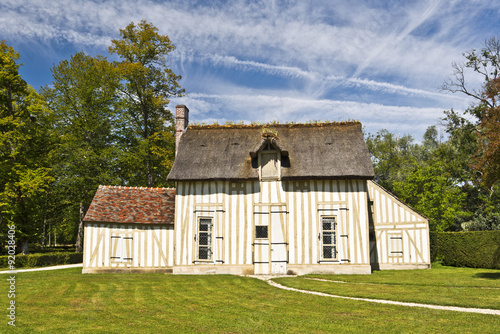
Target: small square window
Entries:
(261, 232)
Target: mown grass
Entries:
(65, 301)
(449, 286)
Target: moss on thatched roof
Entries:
(315, 150)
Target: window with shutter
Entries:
(328, 238)
(395, 244)
(205, 239)
(121, 247)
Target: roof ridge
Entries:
(134, 188)
(280, 125)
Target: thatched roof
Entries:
(132, 205)
(319, 151)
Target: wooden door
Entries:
(279, 254)
(270, 240)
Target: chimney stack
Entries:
(181, 122)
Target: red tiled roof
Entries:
(132, 205)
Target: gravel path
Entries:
(64, 266)
(381, 301)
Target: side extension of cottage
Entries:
(129, 229)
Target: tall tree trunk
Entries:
(79, 238)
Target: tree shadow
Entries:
(489, 275)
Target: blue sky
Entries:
(379, 62)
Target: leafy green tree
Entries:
(482, 204)
(432, 191)
(390, 154)
(486, 112)
(149, 83)
(85, 100)
(25, 142)
(427, 176)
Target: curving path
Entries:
(380, 301)
(64, 266)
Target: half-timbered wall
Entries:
(127, 246)
(399, 235)
(235, 208)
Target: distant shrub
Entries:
(478, 249)
(42, 260)
(37, 248)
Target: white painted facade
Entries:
(400, 235)
(268, 227)
(292, 211)
(127, 247)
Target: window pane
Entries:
(328, 223)
(261, 232)
(203, 253)
(205, 224)
(329, 252)
(327, 238)
(203, 238)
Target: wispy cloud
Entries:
(291, 55)
(320, 79)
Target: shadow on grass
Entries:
(488, 275)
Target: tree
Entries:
(25, 143)
(87, 108)
(432, 191)
(149, 83)
(486, 112)
(390, 155)
(426, 175)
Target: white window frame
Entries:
(335, 239)
(210, 243)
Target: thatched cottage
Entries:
(266, 199)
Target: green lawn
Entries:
(65, 301)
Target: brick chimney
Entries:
(181, 122)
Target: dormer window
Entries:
(269, 156)
(269, 163)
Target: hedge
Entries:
(36, 248)
(42, 260)
(478, 249)
(433, 245)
